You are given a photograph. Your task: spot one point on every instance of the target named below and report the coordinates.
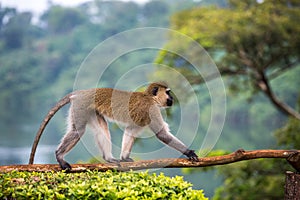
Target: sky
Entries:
(39, 6)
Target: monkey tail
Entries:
(65, 100)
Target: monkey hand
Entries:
(65, 166)
(191, 155)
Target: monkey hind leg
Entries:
(68, 142)
(102, 136)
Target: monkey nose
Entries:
(169, 102)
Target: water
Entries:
(20, 155)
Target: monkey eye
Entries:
(154, 91)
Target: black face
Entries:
(170, 98)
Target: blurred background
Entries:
(255, 44)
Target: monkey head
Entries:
(160, 93)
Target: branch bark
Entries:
(293, 157)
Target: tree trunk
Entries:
(292, 186)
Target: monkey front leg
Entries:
(127, 142)
(166, 137)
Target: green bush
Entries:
(94, 185)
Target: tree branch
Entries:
(265, 87)
(222, 71)
(280, 71)
(292, 156)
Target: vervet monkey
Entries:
(134, 110)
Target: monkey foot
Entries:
(65, 166)
(127, 160)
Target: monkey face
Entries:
(161, 94)
(163, 97)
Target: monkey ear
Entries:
(154, 91)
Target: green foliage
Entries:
(15, 32)
(288, 136)
(255, 179)
(17, 85)
(95, 185)
(265, 177)
(153, 12)
(61, 20)
(4, 13)
(125, 16)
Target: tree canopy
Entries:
(250, 41)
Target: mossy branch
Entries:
(292, 156)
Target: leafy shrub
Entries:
(94, 185)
